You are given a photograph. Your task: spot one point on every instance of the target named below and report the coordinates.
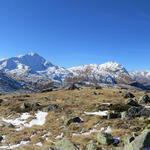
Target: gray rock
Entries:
(144, 99)
(136, 112)
(1, 100)
(113, 115)
(129, 95)
(1, 138)
(24, 106)
(91, 147)
(69, 102)
(140, 142)
(131, 102)
(105, 138)
(126, 115)
(73, 120)
(65, 144)
(34, 104)
(50, 108)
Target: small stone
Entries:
(1, 138)
(24, 106)
(144, 99)
(34, 104)
(1, 100)
(116, 142)
(93, 93)
(73, 120)
(134, 134)
(50, 108)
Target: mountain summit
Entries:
(31, 61)
(110, 72)
(32, 68)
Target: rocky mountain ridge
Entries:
(31, 71)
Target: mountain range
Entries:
(31, 71)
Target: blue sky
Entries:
(76, 32)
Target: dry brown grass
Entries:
(81, 101)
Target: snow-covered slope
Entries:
(142, 77)
(110, 72)
(33, 68)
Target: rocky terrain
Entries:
(76, 119)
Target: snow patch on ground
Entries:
(88, 133)
(18, 121)
(14, 146)
(99, 113)
(60, 136)
(39, 144)
(21, 121)
(108, 130)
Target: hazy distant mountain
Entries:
(142, 77)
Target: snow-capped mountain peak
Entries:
(30, 61)
(32, 68)
(109, 70)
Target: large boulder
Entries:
(129, 95)
(105, 138)
(144, 99)
(136, 112)
(126, 115)
(113, 115)
(65, 144)
(141, 142)
(131, 102)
